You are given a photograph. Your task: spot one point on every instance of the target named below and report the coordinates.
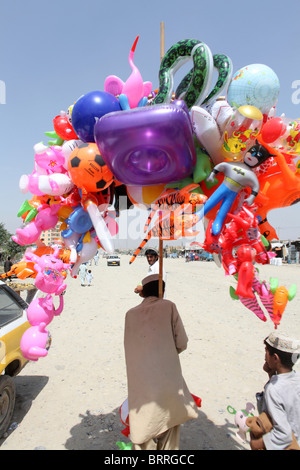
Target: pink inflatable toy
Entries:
(49, 174)
(49, 159)
(44, 220)
(50, 267)
(134, 92)
(42, 310)
(240, 419)
(35, 342)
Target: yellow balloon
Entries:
(250, 112)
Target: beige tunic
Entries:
(158, 397)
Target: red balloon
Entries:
(63, 128)
(272, 130)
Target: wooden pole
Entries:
(162, 40)
(161, 246)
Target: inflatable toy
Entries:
(238, 175)
(35, 342)
(49, 174)
(262, 424)
(63, 253)
(171, 200)
(46, 218)
(256, 85)
(194, 89)
(88, 170)
(50, 272)
(134, 92)
(240, 229)
(100, 227)
(252, 302)
(148, 146)
(274, 298)
(87, 252)
(49, 159)
(280, 299)
(284, 134)
(79, 221)
(203, 165)
(71, 242)
(241, 131)
(144, 196)
(279, 187)
(63, 127)
(67, 148)
(28, 210)
(240, 418)
(124, 445)
(42, 310)
(239, 127)
(245, 257)
(174, 226)
(23, 270)
(56, 184)
(90, 107)
(124, 417)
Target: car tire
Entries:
(7, 402)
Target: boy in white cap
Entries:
(281, 397)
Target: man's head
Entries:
(151, 255)
(151, 285)
(282, 352)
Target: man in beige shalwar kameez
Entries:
(158, 398)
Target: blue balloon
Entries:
(88, 109)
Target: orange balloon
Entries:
(279, 187)
(23, 270)
(88, 170)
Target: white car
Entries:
(113, 260)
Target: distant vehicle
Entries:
(113, 260)
(13, 323)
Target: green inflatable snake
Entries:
(195, 86)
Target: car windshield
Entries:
(9, 308)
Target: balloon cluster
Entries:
(183, 151)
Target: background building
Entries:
(50, 235)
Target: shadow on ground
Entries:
(27, 389)
(101, 432)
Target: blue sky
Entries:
(53, 52)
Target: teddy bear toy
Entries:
(260, 425)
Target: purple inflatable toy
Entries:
(148, 146)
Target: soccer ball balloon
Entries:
(88, 170)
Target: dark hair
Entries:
(287, 359)
(152, 289)
(151, 252)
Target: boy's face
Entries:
(151, 259)
(271, 361)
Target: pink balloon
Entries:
(35, 342)
(42, 310)
(134, 87)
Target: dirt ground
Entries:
(70, 400)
